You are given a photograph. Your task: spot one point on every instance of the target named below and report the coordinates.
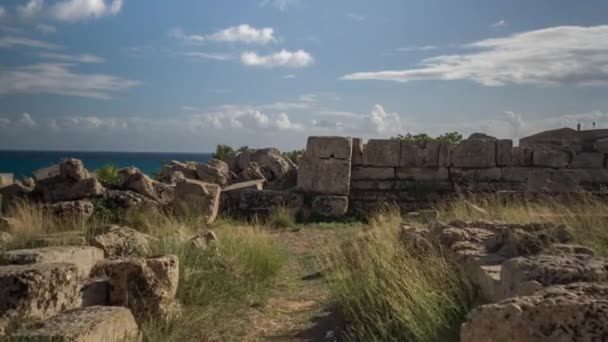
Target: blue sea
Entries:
(23, 163)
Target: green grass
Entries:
(108, 173)
(281, 218)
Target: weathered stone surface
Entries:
(423, 174)
(118, 242)
(330, 147)
(188, 170)
(588, 160)
(199, 198)
(474, 153)
(45, 173)
(476, 175)
(592, 175)
(133, 179)
(57, 189)
(504, 152)
(6, 179)
(252, 172)
(146, 286)
(369, 195)
(575, 312)
(38, 290)
(91, 324)
(357, 156)
(324, 176)
(420, 154)
(601, 145)
(214, 171)
(118, 199)
(265, 200)
(380, 153)
(204, 240)
(95, 291)
(13, 192)
(518, 174)
(445, 155)
(372, 173)
(330, 206)
(73, 169)
(278, 170)
(548, 157)
(70, 209)
(522, 156)
(553, 181)
(373, 185)
(83, 257)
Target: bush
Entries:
(451, 138)
(108, 174)
(281, 218)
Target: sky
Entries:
(186, 75)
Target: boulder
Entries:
(84, 258)
(119, 199)
(197, 198)
(253, 172)
(90, 324)
(58, 189)
(70, 209)
(146, 286)
(169, 171)
(118, 242)
(575, 312)
(38, 290)
(133, 179)
(73, 169)
(45, 173)
(330, 206)
(214, 171)
(473, 153)
(13, 192)
(278, 170)
(204, 240)
(266, 200)
(6, 179)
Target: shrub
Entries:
(108, 173)
(281, 217)
(448, 138)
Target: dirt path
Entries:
(298, 308)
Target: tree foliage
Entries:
(448, 138)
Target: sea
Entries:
(23, 163)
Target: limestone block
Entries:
(324, 176)
(330, 206)
(518, 174)
(504, 152)
(546, 157)
(196, 197)
(330, 147)
(588, 160)
(79, 210)
(56, 189)
(84, 258)
(423, 174)
(73, 169)
(601, 145)
(419, 155)
(90, 324)
(372, 173)
(475, 175)
(6, 179)
(553, 181)
(135, 180)
(369, 195)
(39, 290)
(474, 153)
(265, 200)
(118, 242)
(357, 157)
(45, 173)
(445, 155)
(522, 156)
(372, 185)
(214, 171)
(598, 176)
(380, 153)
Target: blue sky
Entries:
(186, 75)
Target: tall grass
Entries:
(387, 293)
(281, 217)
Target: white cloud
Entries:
(46, 29)
(32, 9)
(281, 5)
(283, 58)
(499, 24)
(13, 41)
(287, 77)
(383, 122)
(356, 16)
(245, 117)
(417, 48)
(70, 10)
(235, 34)
(26, 120)
(570, 55)
(208, 55)
(83, 58)
(58, 78)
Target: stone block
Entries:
(372, 173)
(369, 195)
(330, 147)
(553, 181)
(91, 324)
(601, 145)
(546, 157)
(324, 176)
(45, 173)
(6, 179)
(423, 174)
(522, 156)
(372, 185)
(598, 176)
(475, 175)
(266, 200)
(588, 160)
(57, 189)
(330, 206)
(504, 152)
(357, 157)
(119, 242)
(445, 155)
(39, 291)
(75, 210)
(420, 154)
(196, 197)
(381, 152)
(84, 258)
(474, 153)
(517, 174)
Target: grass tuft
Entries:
(281, 217)
(108, 173)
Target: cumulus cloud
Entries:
(46, 29)
(281, 59)
(235, 34)
(499, 24)
(32, 9)
(14, 41)
(58, 78)
(83, 58)
(570, 55)
(245, 117)
(208, 55)
(70, 10)
(383, 122)
(281, 5)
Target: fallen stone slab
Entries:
(57, 189)
(133, 179)
(197, 198)
(119, 242)
(70, 209)
(90, 324)
(266, 200)
(84, 258)
(330, 206)
(38, 290)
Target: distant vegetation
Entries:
(222, 152)
(452, 138)
(108, 173)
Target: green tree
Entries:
(222, 152)
(294, 155)
(449, 138)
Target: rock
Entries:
(90, 324)
(330, 206)
(372, 173)
(8, 224)
(57, 189)
(118, 199)
(38, 290)
(482, 136)
(265, 200)
(45, 173)
(549, 157)
(14, 192)
(474, 153)
(357, 153)
(214, 171)
(70, 209)
(73, 169)
(5, 238)
(420, 154)
(231, 195)
(554, 181)
(601, 145)
(423, 174)
(522, 156)
(6, 179)
(169, 171)
(84, 258)
(324, 176)
(575, 312)
(516, 242)
(378, 152)
(146, 286)
(135, 180)
(197, 198)
(204, 240)
(252, 172)
(476, 175)
(118, 242)
(518, 174)
(95, 291)
(330, 147)
(588, 160)
(279, 170)
(504, 152)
